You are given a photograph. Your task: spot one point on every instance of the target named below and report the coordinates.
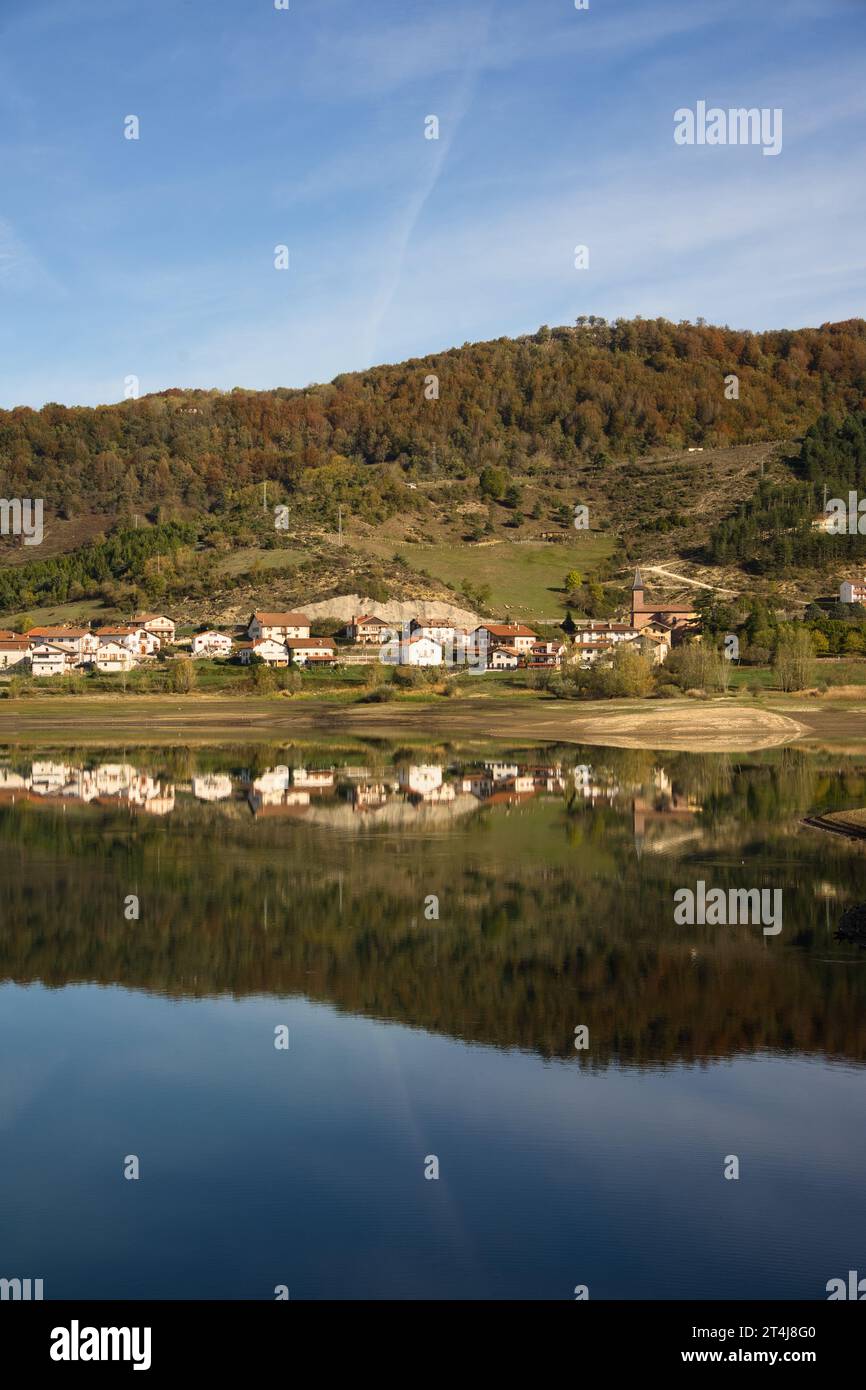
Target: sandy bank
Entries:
(717, 726)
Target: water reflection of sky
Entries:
(305, 1167)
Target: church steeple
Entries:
(637, 600)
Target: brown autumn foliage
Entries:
(544, 401)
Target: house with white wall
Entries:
(212, 786)
(157, 623)
(211, 644)
(516, 635)
(13, 650)
(80, 642)
(318, 650)
(546, 653)
(417, 651)
(46, 659)
(367, 629)
(421, 779)
(278, 626)
(852, 591)
(440, 630)
(113, 657)
(273, 653)
(136, 639)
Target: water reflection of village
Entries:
(350, 796)
(105, 784)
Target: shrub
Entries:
(264, 679)
(410, 677)
(182, 677)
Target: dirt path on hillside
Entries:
(683, 579)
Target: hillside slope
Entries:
(467, 497)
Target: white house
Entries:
(12, 651)
(503, 659)
(157, 623)
(503, 772)
(367, 629)
(602, 634)
(278, 626)
(418, 651)
(317, 779)
(266, 649)
(113, 656)
(115, 779)
(852, 591)
(515, 635)
(314, 649)
(421, 779)
(211, 644)
(49, 660)
(48, 778)
(212, 786)
(547, 653)
(80, 642)
(275, 779)
(589, 655)
(439, 630)
(136, 639)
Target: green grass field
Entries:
(525, 578)
(831, 672)
(86, 611)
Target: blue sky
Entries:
(305, 127)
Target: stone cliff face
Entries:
(396, 611)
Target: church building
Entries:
(678, 619)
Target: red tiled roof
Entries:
(665, 608)
(508, 629)
(282, 619)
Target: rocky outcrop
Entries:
(396, 611)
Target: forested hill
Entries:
(559, 398)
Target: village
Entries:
(284, 639)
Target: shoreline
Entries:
(720, 725)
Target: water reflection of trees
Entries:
(549, 917)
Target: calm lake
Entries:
(291, 982)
